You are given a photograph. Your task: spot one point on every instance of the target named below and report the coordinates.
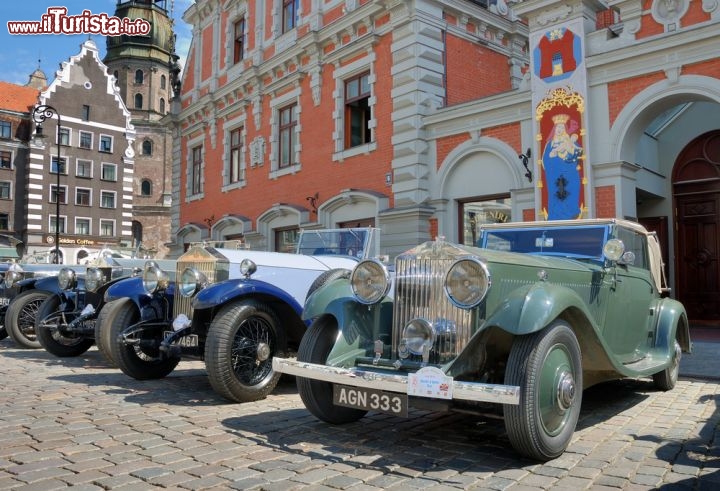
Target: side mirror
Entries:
(627, 258)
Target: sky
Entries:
(19, 54)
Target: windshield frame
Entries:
(601, 235)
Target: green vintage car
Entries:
(521, 324)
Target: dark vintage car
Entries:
(520, 325)
(24, 288)
(67, 319)
(234, 308)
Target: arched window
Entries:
(139, 76)
(137, 233)
(138, 101)
(162, 82)
(162, 106)
(146, 187)
(147, 147)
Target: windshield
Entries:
(336, 242)
(576, 242)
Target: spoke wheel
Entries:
(48, 322)
(20, 318)
(241, 343)
(547, 367)
(136, 362)
(315, 394)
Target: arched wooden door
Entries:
(696, 190)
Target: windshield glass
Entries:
(577, 242)
(343, 242)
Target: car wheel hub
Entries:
(263, 351)
(565, 390)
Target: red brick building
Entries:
(418, 117)
(16, 103)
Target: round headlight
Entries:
(11, 277)
(247, 267)
(614, 249)
(191, 282)
(370, 281)
(467, 282)
(67, 279)
(417, 334)
(94, 279)
(154, 278)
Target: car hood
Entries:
(445, 250)
(286, 260)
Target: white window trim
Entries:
(12, 159)
(341, 75)
(11, 190)
(63, 220)
(230, 126)
(195, 142)
(92, 139)
(112, 143)
(11, 131)
(66, 164)
(62, 186)
(115, 202)
(277, 27)
(85, 189)
(70, 136)
(102, 166)
(106, 220)
(230, 41)
(89, 225)
(92, 168)
(275, 105)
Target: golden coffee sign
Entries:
(50, 239)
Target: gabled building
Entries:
(145, 70)
(88, 165)
(430, 117)
(16, 103)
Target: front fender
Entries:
(133, 288)
(27, 284)
(149, 305)
(531, 307)
(329, 298)
(50, 284)
(223, 292)
(672, 324)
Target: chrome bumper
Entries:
(468, 391)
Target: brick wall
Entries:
(473, 71)
(605, 202)
(622, 91)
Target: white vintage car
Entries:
(234, 308)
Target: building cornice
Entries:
(506, 108)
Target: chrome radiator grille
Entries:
(419, 293)
(213, 267)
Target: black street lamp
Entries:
(39, 115)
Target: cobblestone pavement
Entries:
(78, 422)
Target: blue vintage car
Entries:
(518, 326)
(233, 307)
(67, 319)
(24, 288)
